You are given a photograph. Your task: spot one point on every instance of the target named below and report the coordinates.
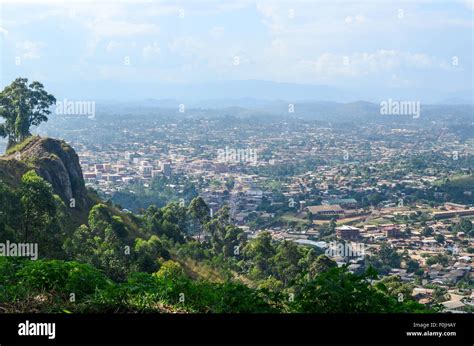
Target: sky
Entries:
(131, 49)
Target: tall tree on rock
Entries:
(199, 212)
(23, 105)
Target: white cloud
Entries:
(29, 50)
(329, 67)
(354, 19)
(365, 63)
(186, 45)
(267, 9)
(3, 31)
(111, 46)
(151, 50)
(110, 28)
(469, 4)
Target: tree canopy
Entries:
(23, 105)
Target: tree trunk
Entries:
(11, 143)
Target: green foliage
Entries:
(287, 259)
(148, 252)
(192, 249)
(439, 238)
(336, 291)
(171, 271)
(32, 214)
(169, 221)
(38, 206)
(23, 105)
(102, 244)
(439, 258)
(412, 266)
(464, 225)
(10, 216)
(238, 298)
(61, 277)
(8, 279)
(199, 212)
(439, 294)
(427, 231)
(225, 239)
(259, 254)
(161, 191)
(21, 279)
(385, 259)
(455, 188)
(393, 286)
(321, 265)
(170, 289)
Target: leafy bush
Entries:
(337, 291)
(61, 277)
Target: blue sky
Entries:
(366, 45)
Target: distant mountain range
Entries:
(244, 93)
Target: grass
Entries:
(379, 221)
(197, 270)
(20, 146)
(350, 220)
(290, 218)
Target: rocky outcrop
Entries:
(56, 162)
